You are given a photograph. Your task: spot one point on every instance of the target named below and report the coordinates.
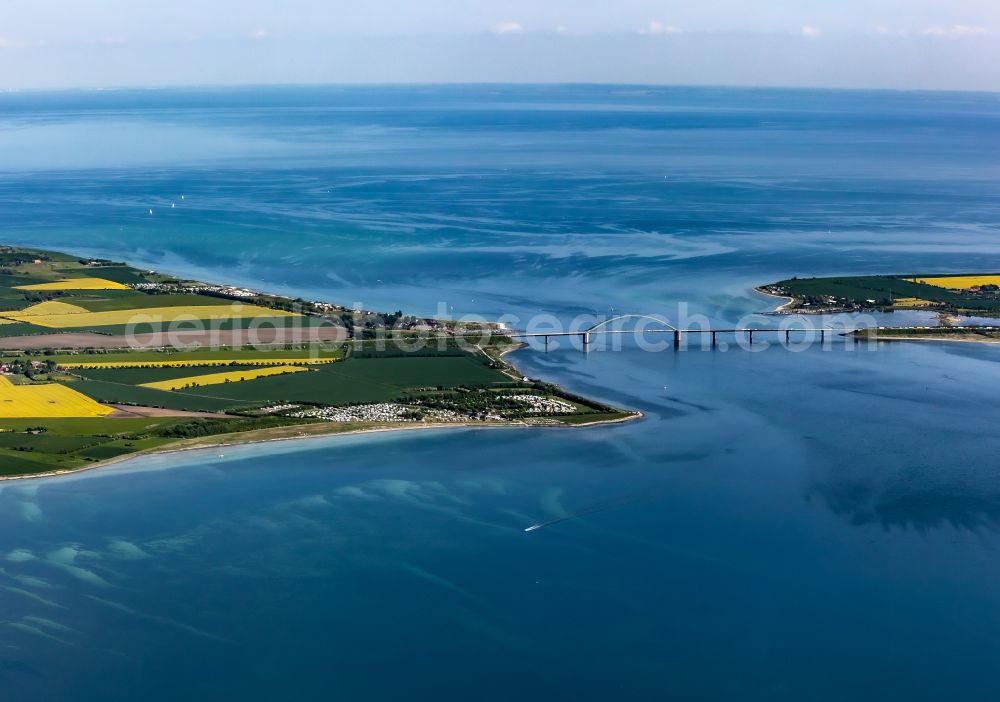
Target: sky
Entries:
(901, 44)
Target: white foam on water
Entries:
(20, 555)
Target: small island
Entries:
(100, 361)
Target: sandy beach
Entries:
(301, 432)
(783, 307)
(887, 335)
(305, 433)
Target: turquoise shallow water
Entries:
(781, 525)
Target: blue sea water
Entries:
(781, 525)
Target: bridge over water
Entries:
(678, 334)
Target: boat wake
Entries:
(593, 509)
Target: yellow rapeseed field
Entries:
(911, 302)
(958, 282)
(76, 284)
(150, 315)
(50, 400)
(218, 378)
(50, 307)
(208, 362)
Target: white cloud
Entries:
(561, 29)
(507, 28)
(884, 31)
(810, 32)
(657, 28)
(6, 43)
(259, 34)
(957, 31)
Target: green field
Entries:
(39, 445)
(110, 300)
(589, 417)
(345, 382)
(138, 376)
(119, 274)
(362, 380)
(111, 392)
(61, 444)
(262, 323)
(429, 375)
(32, 446)
(20, 267)
(11, 299)
(22, 463)
(22, 329)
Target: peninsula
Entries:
(950, 296)
(970, 294)
(100, 360)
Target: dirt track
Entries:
(179, 339)
(126, 411)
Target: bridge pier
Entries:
(678, 335)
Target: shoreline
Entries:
(56, 339)
(942, 337)
(785, 308)
(331, 431)
(780, 309)
(177, 448)
(327, 430)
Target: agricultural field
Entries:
(144, 375)
(960, 282)
(913, 303)
(196, 322)
(29, 447)
(108, 302)
(79, 318)
(215, 360)
(45, 309)
(51, 291)
(203, 357)
(46, 400)
(364, 380)
(107, 392)
(63, 410)
(11, 329)
(943, 293)
(344, 382)
(66, 444)
(75, 284)
(234, 376)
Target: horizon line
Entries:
(493, 84)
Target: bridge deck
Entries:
(684, 331)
